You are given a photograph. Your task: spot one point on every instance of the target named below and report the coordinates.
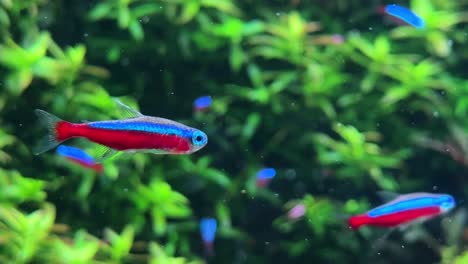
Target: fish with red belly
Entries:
(405, 209)
(136, 133)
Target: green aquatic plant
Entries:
(162, 202)
(282, 76)
(358, 156)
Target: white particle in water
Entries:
(290, 174)
(145, 19)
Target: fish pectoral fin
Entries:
(126, 111)
(155, 151)
(403, 227)
(105, 153)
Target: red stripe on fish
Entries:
(64, 130)
(124, 139)
(394, 219)
(94, 166)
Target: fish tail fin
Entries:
(209, 249)
(355, 222)
(53, 137)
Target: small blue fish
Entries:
(264, 176)
(208, 231)
(202, 103)
(406, 15)
(79, 156)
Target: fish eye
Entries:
(199, 138)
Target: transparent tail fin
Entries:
(49, 141)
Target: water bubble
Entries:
(125, 61)
(290, 174)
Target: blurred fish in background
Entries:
(296, 212)
(202, 103)
(80, 157)
(264, 176)
(335, 39)
(402, 15)
(208, 228)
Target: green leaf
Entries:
(100, 11)
(136, 30)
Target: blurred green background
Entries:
(336, 96)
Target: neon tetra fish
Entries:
(208, 228)
(202, 103)
(404, 14)
(80, 157)
(136, 133)
(264, 176)
(405, 209)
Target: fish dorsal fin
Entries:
(104, 153)
(387, 196)
(126, 111)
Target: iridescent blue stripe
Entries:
(404, 206)
(75, 153)
(143, 127)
